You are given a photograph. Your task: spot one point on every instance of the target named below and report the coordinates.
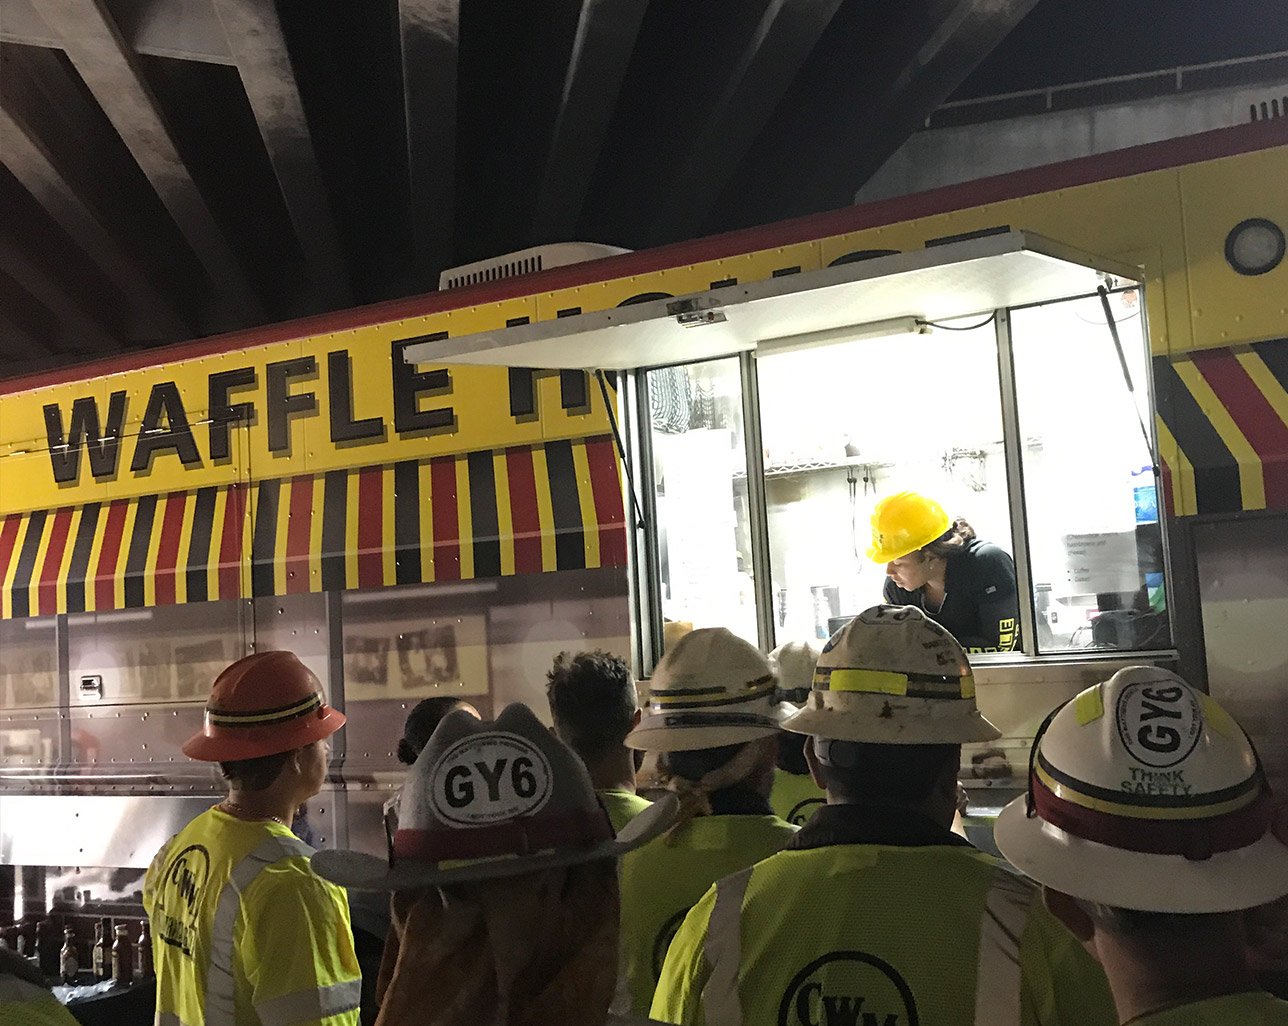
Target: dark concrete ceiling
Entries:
(173, 168)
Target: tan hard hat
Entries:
(893, 676)
(712, 689)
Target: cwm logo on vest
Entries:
(848, 988)
(179, 901)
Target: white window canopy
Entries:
(885, 295)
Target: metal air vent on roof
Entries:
(525, 261)
(1276, 107)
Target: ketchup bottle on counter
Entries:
(122, 957)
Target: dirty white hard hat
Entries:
(893, 676)
(1145, 794)
(793, 663)
(712, 689)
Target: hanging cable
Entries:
(621, 450)
(959, 327)
(1103, 293)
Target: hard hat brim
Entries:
(654, 734)
(878, 555)
(1225, 882)
(364, 872)
(895, 720)
(232, 744)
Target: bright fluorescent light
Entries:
(891, 328)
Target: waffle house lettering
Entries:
(193, 425)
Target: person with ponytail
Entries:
(712, 719)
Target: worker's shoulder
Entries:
(985, 553)
(287, 871)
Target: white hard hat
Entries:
(1145, 794)
(793, 662)
(712, 689)
(893, 676)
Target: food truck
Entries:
(434, 496)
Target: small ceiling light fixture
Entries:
(1255, 246)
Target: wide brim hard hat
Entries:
(891, 720)
(654, 734)
(1224, 882)
(364, 872)
(260, 741)
(263, 704)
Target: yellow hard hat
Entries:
(903, 523)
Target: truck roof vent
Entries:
(525, 261)
(1276, 107)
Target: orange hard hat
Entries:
(263, 704)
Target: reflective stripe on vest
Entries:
(315, 1003)
(221, 993)
(998, 979)
(168, 1019)
(721, 1004)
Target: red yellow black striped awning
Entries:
(1223, 428)
(520, 510)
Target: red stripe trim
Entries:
(370, 535)
(601, 455)
(230, 543)
(447, 545)
(1254, 416)
(47, 589)
(176, 505)
(524, 517)
(1196, 839)
(1134, 160)
(299, 531)
(8, 542)
(1168, 483)
(524, 836)
(109, 555)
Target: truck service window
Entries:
(1091, 492)
(700, 472)
(844, 425)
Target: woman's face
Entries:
(910, 572)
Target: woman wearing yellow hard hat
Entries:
(939, 565)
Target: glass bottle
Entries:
(122, 956)
(102, 946)
(68, 962)
(143, 953)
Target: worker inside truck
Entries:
(938, 564)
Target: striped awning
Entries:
(526, 509)
(1223, 428)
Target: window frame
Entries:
(645, 576)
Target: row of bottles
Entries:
(114, 955)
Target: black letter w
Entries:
(103, 448)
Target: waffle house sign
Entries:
(305, 406)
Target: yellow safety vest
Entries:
(245, 933)
(1255, 1009)
(622, 806)
(795, 798)
(661, 881)
(25, 1004)
(878, 935)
